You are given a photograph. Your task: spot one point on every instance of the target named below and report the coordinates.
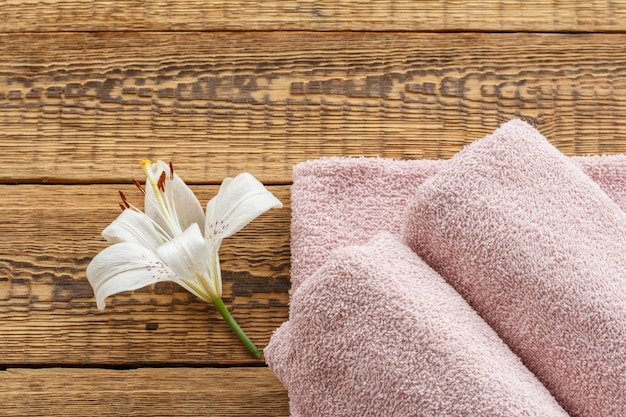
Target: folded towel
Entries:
(609, 172)
(339, 202)
(342, 201)
(538, 249)
(376, 332)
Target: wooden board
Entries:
(87, 107)
(345, 15)
(88, 88)
(149, 392)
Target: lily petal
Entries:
(125, 267)
(134, 227)
(189, 258)
(237, 203)
(173, 206)
(184, 202)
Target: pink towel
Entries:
(538, 249)
(340, 202)
(376, 332)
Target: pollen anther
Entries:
(124, 204)
(138, 185)
(161, 182)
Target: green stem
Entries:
(219, 304)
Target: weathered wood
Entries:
(88, 88)
(47, 309)
(149, 392)
(347, 15)
(80, 107)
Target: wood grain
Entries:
(47, 309)
(79, 108)
(150, 392)
(316, 15)
(88, 88)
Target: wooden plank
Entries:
(47, 309)
(142, 392)
(318, 15)
(82, 107)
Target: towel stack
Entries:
(492, 284)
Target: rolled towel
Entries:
(538, 249)
(376, 332)
(344, 201)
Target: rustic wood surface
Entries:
(316, 15)
(153, 392)
(89, 88)
(87, 106)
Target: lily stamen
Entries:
(158, 187)
(138, 185)
(124, 200)
(161, 182)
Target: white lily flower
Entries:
(173, 240)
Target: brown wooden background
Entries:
(88, 88)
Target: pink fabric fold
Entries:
(538, 249)
(342, 201)
(338, 204)
(376, 332)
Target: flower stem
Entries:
(219, 304)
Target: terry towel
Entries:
(338, 204)
(341, 201)
(539, 250)
(376, 332)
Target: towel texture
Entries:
(376, 332)
(338, 204)
(537, 248)
(342, 201)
